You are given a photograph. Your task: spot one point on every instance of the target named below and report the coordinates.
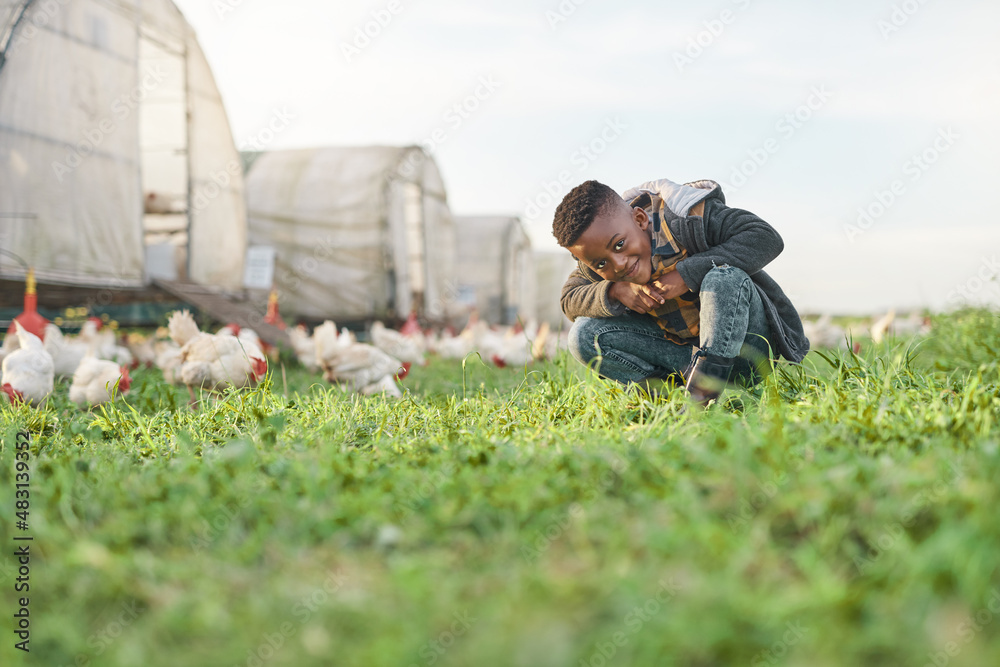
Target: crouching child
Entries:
(669, 284)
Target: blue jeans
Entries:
(632, 348)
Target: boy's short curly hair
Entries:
(579, 208)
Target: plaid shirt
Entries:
(679, 318)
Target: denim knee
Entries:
(581, 339)
(723, 277)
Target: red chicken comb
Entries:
(14, 395)
(259, 368)
(126, 380)
(410, 326)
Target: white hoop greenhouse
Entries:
(358, 232)
(114, 142)
(495, 268)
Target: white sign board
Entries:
(259, 271)
(161, 261)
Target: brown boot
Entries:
(707, 376)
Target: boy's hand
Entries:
(647, 298)
(640, 298)
(670, 285)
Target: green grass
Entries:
(844, 512)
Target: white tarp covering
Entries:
(101, 103)
(495, 266)
(360, 232)
(218, 209)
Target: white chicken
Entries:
(544, 344)
(304, 346)
(243, 333)
(94, 333)
(823, 333)
(487, 341)
(450, 346)
(211, 361)
(10, 343)
(249, 335)
(95, 380)
(168, 360)
(914, 325)
(357, 366)
(67, 353)
(231, 329)
(881, 327)
(28, 372)
(407, 348)
(142, 348)
(514, 349)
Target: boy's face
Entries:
(617, 246)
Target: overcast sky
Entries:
(806, 112)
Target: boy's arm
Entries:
(585, 297)
(735, 237)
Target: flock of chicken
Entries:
(236, 357)
(98, 365)
(375, 368)
(823, 333)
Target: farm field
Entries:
(841, 513)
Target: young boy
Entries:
(669, 281)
